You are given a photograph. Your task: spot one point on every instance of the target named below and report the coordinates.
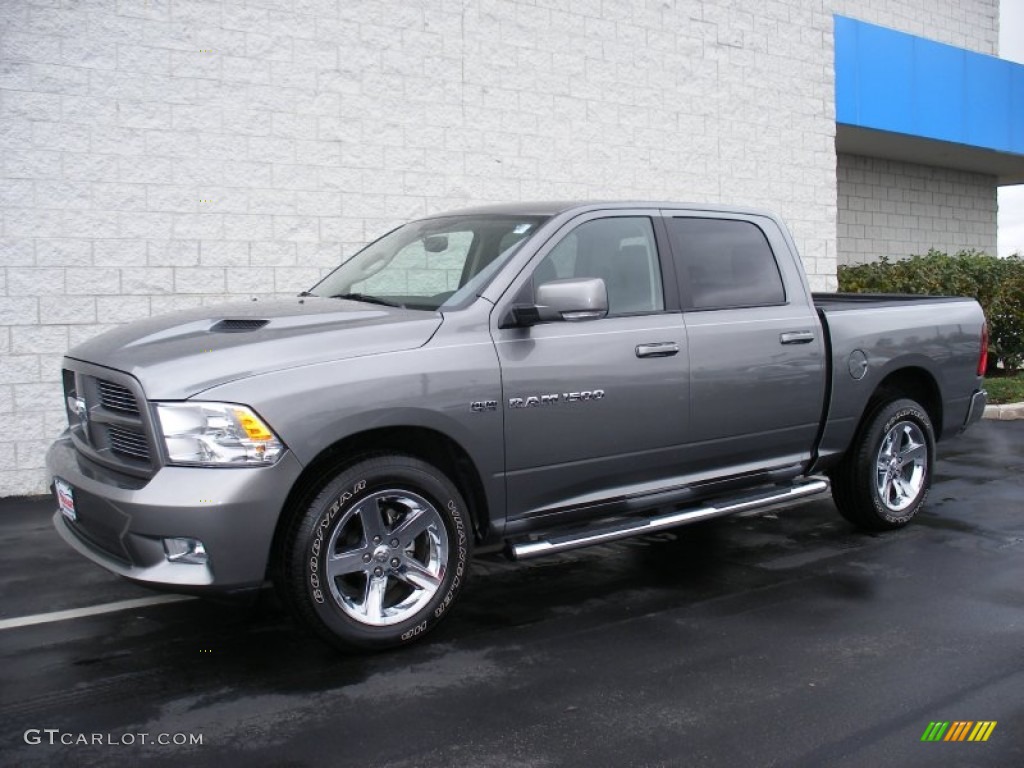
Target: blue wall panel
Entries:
(846, 70)
(1017, 109)
(939, 85)
(892, 81)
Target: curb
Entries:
(1007, 412)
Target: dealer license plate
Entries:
(65, 499)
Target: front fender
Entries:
(432, 387)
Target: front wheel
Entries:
(885, 476)
(379, 556)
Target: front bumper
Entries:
(122, 520)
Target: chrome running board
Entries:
(622, 529)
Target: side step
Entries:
(598, 534)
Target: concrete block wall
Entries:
(159, 154)
(895, 209)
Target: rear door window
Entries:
(725, 263)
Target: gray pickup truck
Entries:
(533, 377)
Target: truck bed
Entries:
(936, 338)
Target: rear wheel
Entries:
(379, 556)
(885, 476)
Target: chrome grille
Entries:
(69, 384)
(116, 397)
(128, 442)
(109, 423)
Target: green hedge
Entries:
(997, 284)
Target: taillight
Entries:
(983, 355)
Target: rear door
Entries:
(595, 408)
(756, 347)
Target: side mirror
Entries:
(572, 299)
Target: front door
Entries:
(596, 408)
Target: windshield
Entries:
(431, 264)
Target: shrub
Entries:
(997, 284)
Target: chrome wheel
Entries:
(901, 466)
(387, 557)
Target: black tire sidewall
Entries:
(326, 512)
(885, 419)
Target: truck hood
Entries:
(178, 355)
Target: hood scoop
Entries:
(177, 356)
(237, 325)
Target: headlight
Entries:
(216, 435)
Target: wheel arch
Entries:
(914, 382)
(424, 443)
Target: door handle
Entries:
(657, 349)
(796, 337)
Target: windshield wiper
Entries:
(366, 298)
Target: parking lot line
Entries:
(92, 610)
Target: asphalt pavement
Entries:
(783, 639)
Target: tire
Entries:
(886, 474)
(379, 556)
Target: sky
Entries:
(1011, 199)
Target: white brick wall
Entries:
(161, 154)
(894, 209)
